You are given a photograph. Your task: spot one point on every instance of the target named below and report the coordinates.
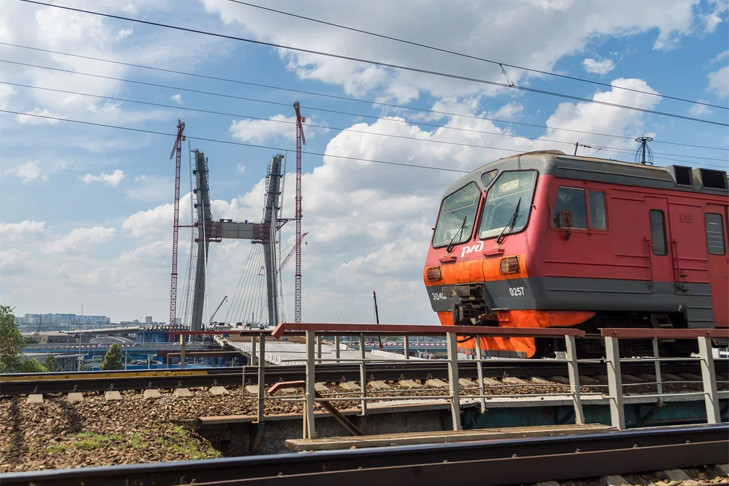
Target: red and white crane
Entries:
(177, 152)
(297, 275)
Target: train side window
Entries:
(598, 221)
(714, 234)
(570, 199)
(658, 232)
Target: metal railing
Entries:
(616, 396)
(705, 357)
(314, 331)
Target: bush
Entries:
(32, 366)
(51, 363)
(11, 342)
(113, 359)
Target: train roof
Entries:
(559, 164)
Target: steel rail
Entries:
(235, 376)
(495, 461)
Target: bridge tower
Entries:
(215, 231)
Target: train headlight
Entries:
(509, 265)
(433, 273)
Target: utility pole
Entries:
(176, 151)
(377, 318)
(297, 275)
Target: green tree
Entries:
(11, 341)
(51, 363)
(113, 358)
(31, 366)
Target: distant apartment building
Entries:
(60, 320)
(147, 322)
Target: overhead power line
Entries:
(267, 147)
(230, 142)
(341, 129)
(378, 63)
(326, 95)
(477, 58)
(312, 108)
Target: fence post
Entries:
(659, 379)
(261, 376)
(574, 375)
(615, 383)
(318, 348)
(362, 374)
(182, 353)
(453, 380)
(406, 346)
(708, 375)
(479, 367)
(253, 350)
(309, 430)
(336, 347)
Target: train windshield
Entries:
(457, 216)
(508, 203)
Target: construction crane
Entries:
(289, 254)
(216, 310)
(177, 153)
(297, 275)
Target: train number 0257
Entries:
(516, 291)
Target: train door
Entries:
(715, 225)
(658, 245)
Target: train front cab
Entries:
(596, 253)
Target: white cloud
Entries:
(699, 110)
(240, 168)
(124, 33)
(28, 172)
(6, 92)
(589, 117)
(719, 82)
(13, 261)
(564, 28)
(177, 98)
(257, 131)
(721, 56)
(28, 119)
(27, 232)
(110, 179)
(81, 239)
(598, 67)
(33, 171)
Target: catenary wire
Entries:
(279, 149)
(476, 58)
(347, 129)
(390, 120)
(380, 63)
(331, 96)
(230, 142)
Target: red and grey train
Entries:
(545, 239)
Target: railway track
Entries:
(22, 384)
(510, 461)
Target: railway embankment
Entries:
(59, 433)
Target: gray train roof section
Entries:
(558, 164)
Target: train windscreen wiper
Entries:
(510, 224)
(449, 248)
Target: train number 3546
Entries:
(516, 291)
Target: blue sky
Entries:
(85, 212)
